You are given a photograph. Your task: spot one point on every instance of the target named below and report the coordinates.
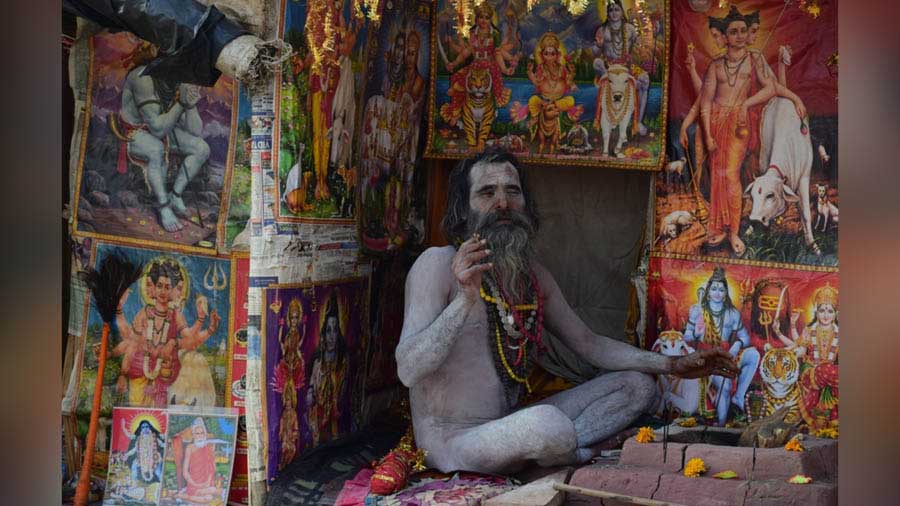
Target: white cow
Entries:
(785, 159)
(616, 102)
(681, 393)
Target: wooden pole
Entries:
(610, 495)
(82, 491)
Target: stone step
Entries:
(655, 484)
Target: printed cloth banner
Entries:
(313, 365)
(753, 165)
(551, 87)
(155, 156)
(780, 325)
(136, 456)
(169, 345)
(392, 212)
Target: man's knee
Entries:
(642, 388)
(551, 428)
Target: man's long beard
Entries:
(511, 248)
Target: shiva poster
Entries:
(136, 457)
(752, 157)
(155, 156)
(234, 230)
(588, 88)
(316, 114)
(200, 450)
(313, 343)
(394, 105)
(170, 343)
(780, 325)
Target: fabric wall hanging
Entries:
(589, 89)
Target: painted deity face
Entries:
(550, 54)
(399, 50)
(412, 53)
(199, 433)
(825, 314)
(718, 37)
(614, 12)
(751, 34)
(495, 186)
(162, 290)
(717, 291)
(483, 20)
(736, 34)
(294, 319)
(331, 333)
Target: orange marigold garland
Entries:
(392, 472)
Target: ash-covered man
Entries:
(473, 323)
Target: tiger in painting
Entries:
(780, 370)
(478, 112)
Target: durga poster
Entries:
(780, 325)
(752, 169)
(313, 348)
(550, 86)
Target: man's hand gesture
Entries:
(466, 267)
(704, 363)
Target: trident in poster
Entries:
(215, 280)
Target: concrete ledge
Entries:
(651, 455)
(699, 491)
(621, 479)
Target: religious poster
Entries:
(236, 390)
(234, 233)
(136, 457)
(171, 344)
(780, 325)
(752, 168)
(155, 155)
(315, 115)
(313, 341)
(588, 88)
(385, 322)
(393, 107)
(200, 450)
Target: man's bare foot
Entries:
(737, 245)
(168, 220)
(715, 240)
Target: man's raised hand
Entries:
(704, 363)
(467, 268)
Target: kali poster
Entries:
(753, 164)
(394, 106)
(589, 89)
(316, 114)
(155, 157)
(780, 325)
(136, 457)
(313, 340)
(170, 343)
(200, 450)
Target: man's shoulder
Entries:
(435, 256)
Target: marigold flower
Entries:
(688, 422)
(645, 435)
(829, 432)
(694, 468)
(794, 445)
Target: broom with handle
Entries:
(107, 285)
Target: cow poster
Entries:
(780, 325)
(316, 117)
(155, 157)
(552, 87)
(752, 168)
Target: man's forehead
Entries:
(492, 173)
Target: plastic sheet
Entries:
(189, 35)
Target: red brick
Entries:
(629, 480)
(723, 458)
(782, 493)
(651, 455)
(699, 491)
(819, 461)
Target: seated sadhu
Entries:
(474, 317)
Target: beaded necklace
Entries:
(513, 333)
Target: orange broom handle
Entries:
(84, 481)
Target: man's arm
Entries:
(600, 351)
(430, 325)
(707, 93)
